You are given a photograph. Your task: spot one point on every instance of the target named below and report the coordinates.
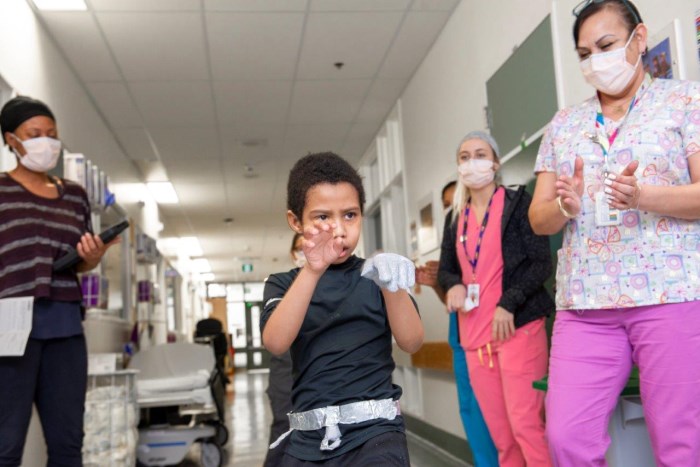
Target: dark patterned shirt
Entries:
(35, 232)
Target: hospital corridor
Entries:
(349, 233)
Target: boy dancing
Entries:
(337, 315)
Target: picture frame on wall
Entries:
(665, 57)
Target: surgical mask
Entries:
(610, 72)
(41, 153)
(476, 173)
(299, 258)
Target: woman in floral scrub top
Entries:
(620, 174)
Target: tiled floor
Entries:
(249, 418)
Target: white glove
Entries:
(390, 271)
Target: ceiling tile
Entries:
(255, 5)
(136, 143)
(82, 42)
(251, 142)
(359, 5)
(247, 199)
(359, 40)
(183, 103)
(186, 143)
(304, 139)
(196, 195)
(327, 101)
(157, 46)
(145, 5)
(418, 33)
(381, 99)
(254, 45)
(434, 5)
(115, 102)
(252, 101)
(195, 170)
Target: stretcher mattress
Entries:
(174, 374)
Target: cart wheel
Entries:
(221, 436)
(212, 455)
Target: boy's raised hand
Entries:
(390, 271)
(320, 246)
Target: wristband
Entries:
(563, 211)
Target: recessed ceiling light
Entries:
(163, 192)
(60, 5)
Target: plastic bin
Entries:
(111, 420)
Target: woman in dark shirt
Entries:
(41, 217)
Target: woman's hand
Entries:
(503, 326)
(321, 247)
(570, 189)
(427, 274)
(623, 190)
(455, 298)
(91, 249)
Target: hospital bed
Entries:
(181, 397)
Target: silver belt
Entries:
(333, 415)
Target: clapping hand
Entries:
(427, 274)
(623, 190)
(570, 189)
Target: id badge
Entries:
(604, 214)
(472, 300)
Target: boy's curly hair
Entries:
(313, 169)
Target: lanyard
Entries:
(463, 237)
(601, 137)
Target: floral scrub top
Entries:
(648, 258)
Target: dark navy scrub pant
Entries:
(53, 374)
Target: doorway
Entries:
(244, 307)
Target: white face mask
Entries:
(610, 72)
(41, 153)
(476, 173)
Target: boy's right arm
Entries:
(321, 249)
(285, 322)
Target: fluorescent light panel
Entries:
(201, 265)
(207, 276)
(163, 192)
(191, 246)
(60, 5)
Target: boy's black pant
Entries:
(388, 450)
(52, 373)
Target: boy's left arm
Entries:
(404, 320)
(395, 274)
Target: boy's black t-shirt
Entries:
(341, 355)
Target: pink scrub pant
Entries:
(592, 355)
(513, 410)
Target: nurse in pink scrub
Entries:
(493, 268)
